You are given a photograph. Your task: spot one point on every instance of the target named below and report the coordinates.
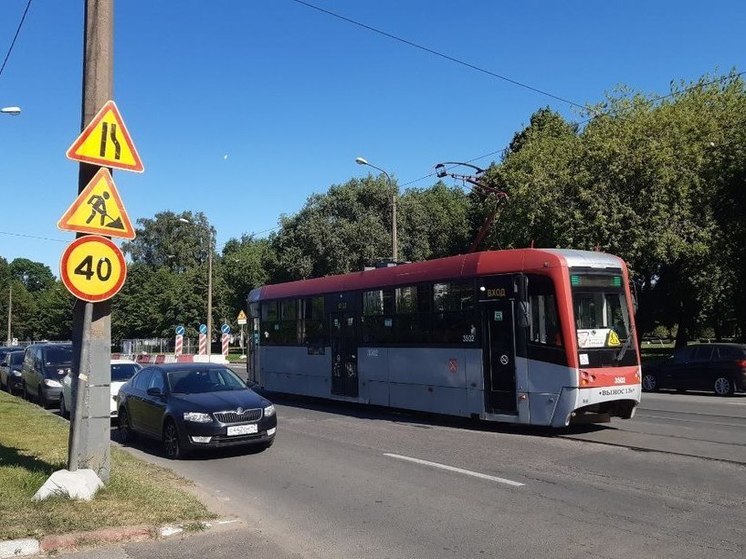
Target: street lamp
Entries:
(209, 288)
(394, 244)
(15, 111)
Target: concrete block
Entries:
(80, 484)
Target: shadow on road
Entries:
(422, 420)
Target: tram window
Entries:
(373, 302)
(544, 327)
(288, 309)
(453, 296)
(312, 327)
(269, 311)
(406, 299)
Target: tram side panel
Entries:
(292, 370)
(438, 380)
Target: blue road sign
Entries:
(180, 330)
(203, 328)
(225, 329)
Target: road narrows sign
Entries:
(98, 209)
(93, 268)
(106, 142)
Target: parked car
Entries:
(44, 366)
(194, 405)
(717, 367)
(10, 370)
(121, 371)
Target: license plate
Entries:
(241, 430)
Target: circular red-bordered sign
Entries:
(93, 268)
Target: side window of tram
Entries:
(453, 317)
(544, 327)
(377, 322)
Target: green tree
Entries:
(174, 241)
(35, 276)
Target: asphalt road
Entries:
(345, 481)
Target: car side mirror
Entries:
(155, 391)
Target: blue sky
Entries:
(243, 108)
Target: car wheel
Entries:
(63, 408)
(126, 434)
(723, 386)
(649, 383)
(171, 444)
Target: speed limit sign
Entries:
(93, 268)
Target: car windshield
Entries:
(121, 372)
(197, 381)
(58, 356)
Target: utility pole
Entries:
(90, 430)
(10, 312)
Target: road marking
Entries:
(454, 469)
(687, 420)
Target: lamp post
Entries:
(15, 111)
(394, 244)
(209, 288)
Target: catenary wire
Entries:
(13, 42)
(440, 54)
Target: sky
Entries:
(242, 109)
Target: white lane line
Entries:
(454, 469)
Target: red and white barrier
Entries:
(226, 341)
(203, 344)
(179, 345)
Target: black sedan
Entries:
(717, 367)
(194, 405)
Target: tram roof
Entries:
(449, 268)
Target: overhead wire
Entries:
(440, 54)
(13, 42)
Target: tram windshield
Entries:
(602, 319)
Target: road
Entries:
(345, 481)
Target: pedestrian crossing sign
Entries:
(106, 142)
(98, 209)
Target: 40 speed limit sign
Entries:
(93, 268)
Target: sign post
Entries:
(203, 339)
(179, 343)
(226, 338)
(241, 320)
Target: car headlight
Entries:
(197, 417)
(51, 383)
(269, 411)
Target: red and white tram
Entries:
(530, 336)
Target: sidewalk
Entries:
(229, 541)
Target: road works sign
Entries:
(93, 268)
(106, 142)
(241, 318)
(98, 209)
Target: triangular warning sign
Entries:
(613, 339)
(106, 141)
(99, 210)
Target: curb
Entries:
(66, 542)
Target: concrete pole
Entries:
(209, 294)
(10, 311)
(92, 344)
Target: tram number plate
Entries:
(241, 430)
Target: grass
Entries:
(235, 358)
(33, 444)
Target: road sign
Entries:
(203, 328)
(241, 318)
(98, 209)
(225, 329)
(106, 142)
(93, 268)
(180, 330)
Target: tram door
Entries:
(344, 354)
(499, 357)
